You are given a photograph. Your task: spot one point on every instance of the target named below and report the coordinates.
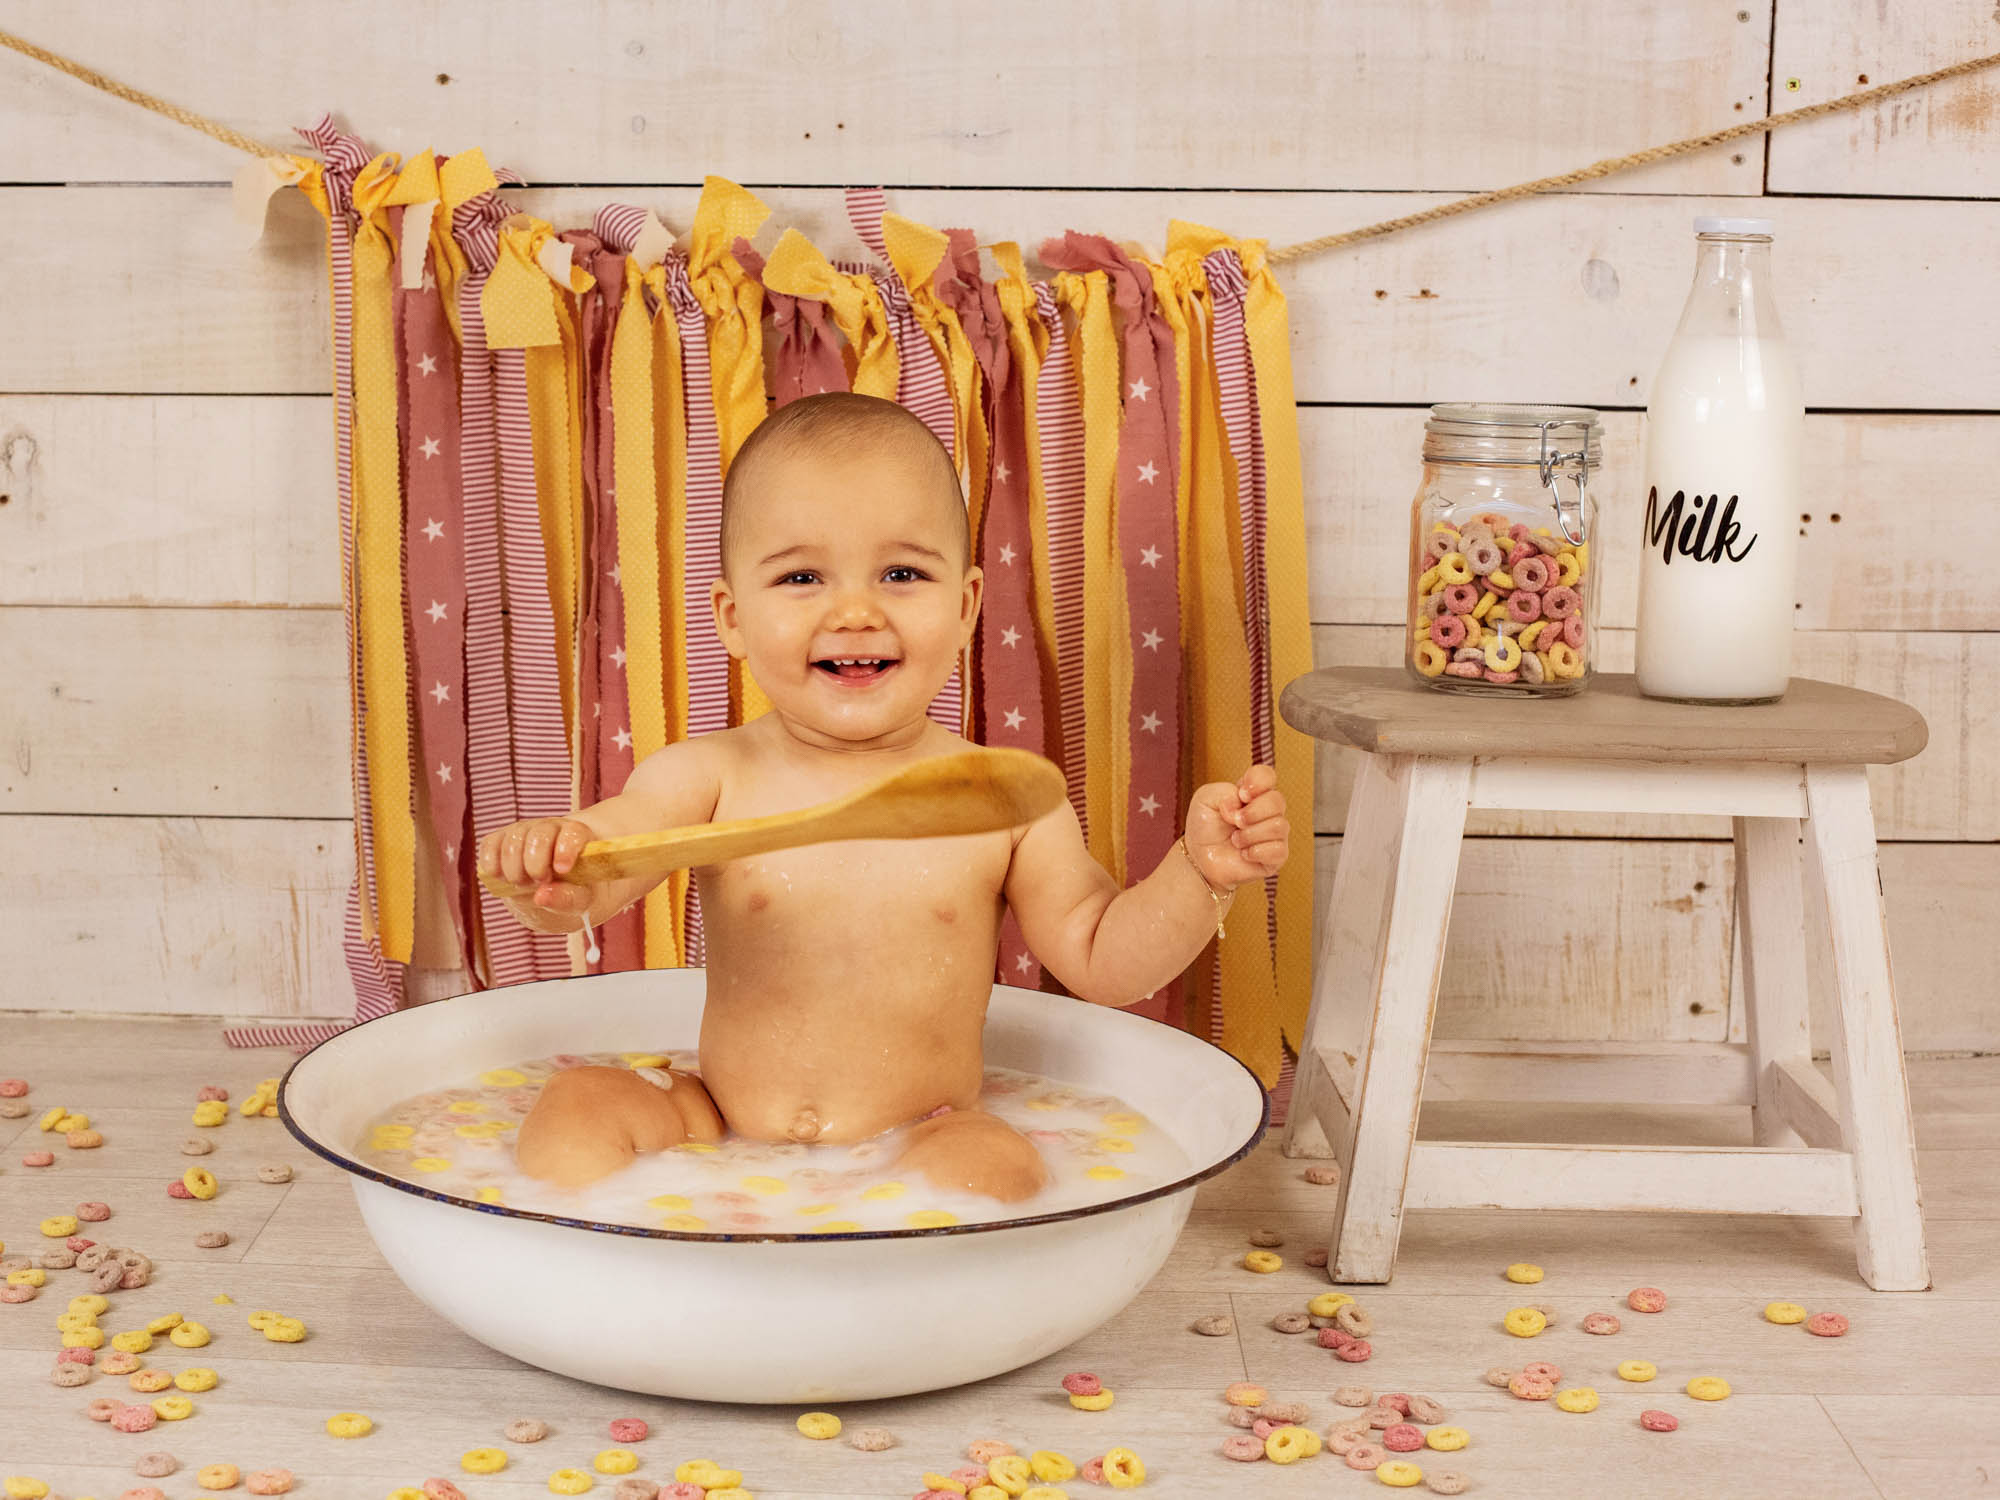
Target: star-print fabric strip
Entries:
(560, 409)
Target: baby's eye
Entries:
(804, 575)
(909, 575)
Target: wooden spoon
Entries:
(973, 791)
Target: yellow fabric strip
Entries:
(1107, 647)
(1219, 685)
(378, 531)
(797, 269)
(667, 905)
(1291, 631)
(638, 517)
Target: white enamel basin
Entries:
(784, 1318)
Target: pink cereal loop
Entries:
(1355, 1353)
(1080, 1383)
(1246, 1393)
(1525, 606)
(1560, 602)
(48, 1158)
(443, 1489)
(1448, 631)
(1465, 669)
(1647, 1299)
(1541, 1369)
(1529, 571)
(1092, 1471)
(1366, 1456)
(1828, 1325)
(629, 1430)
(1658, 1421)
(1242, 1447)
(13, 1088)
(1461, 598)
(1404, 1437)
(683, 1489)
(970, 1474)
(985, 1450)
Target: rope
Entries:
(1591, 173)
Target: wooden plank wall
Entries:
(173, 784)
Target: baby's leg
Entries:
(591, 1121)
(971, 1150)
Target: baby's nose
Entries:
(854, 610)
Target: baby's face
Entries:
(847, 594)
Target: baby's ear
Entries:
(974, 591)
(722, 601)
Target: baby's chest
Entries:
(900, 890)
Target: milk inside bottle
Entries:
(1722, 487)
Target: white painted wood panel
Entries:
(210, 916)
(1365, 94)
(1950, 791)
(237, 713)
(229, 499)
(1865, 562)
(1566, 297)
(1943, 141)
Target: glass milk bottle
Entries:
(1723, 435)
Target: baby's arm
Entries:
(675, 786)
(1116, 947)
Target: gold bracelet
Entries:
(1222, 902)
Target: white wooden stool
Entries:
(1792, 775)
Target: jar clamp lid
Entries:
(1560, 441)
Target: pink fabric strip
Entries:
(806, 359)
(1059, 418)
(434, 564)
(921, 385)
(300, 1036)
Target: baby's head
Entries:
(847, 586)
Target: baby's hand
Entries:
(531, 858)
(1237, 832)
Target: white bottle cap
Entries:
(1732, 226)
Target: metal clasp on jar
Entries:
(1573, 529)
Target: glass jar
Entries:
(1503, 592)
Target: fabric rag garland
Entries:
(531, 430)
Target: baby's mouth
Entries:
(857, 669)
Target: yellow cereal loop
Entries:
(210, 1112)
(1500, 579)
(61, 1227)
(485, 1130)
(199, 1378)
(1708, 1388)
(646, 1059)
(348, 1424)
(262, 1318)
(503, 1078)
(809, 1209)
(1577, 1398)
(165, 1323)
(1116, 1143)
(1569, 568)
(199, 1181)
(1485, 605)
(188, 1335)
(672, 1202)
(1263, 1262)
(256, 1104)
(464, 1107)
(708, 1474)
(1453, 568)
(430, 1164)
(943, 1482)
(52, 1119)
(222, 1299)
(1051, 1467)
(1124, 1124)
(483, 1460)
(1524, 1272)
(1011, 1472)
(1426, 581)
(986, 1492)
(75, 1322)
(285, 1331)
(1105, 1174)
(1042, 1103)
(1122, 1469)
(615, 1461)
(173, 1408)
(1326, 1304)
(395, 1132)
(834, 1226)
(136, 1341)
(148, 1381)
(91, 1305)
(930, 1218)
(1527, 634)
(28, 1276)
(1525, 1322)
(1399, 1474)
(1100, 1402)
(684, 1223)
(769, 1187)
(1287, 1445)
(407, 1492)
(819, 1425)
(488, 1195)
(22, 1487)
(882, 1192)
(1784, 1312)
(570, 1481)
(84, 1338)
(1637, 1369)
(1447, 1439)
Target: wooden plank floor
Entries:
(1908, 1404)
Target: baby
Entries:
(848, 982)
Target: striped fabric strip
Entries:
(922, 386)
(1059, 421)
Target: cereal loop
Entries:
(1448, 631)
(1402, 1437)
(1637, 1369)
(1447, 1439)
(1646, 1299)
(1452, 568)
(872, 1439)
(199, 1378)
(218, 1477)
(1659, 1421)
(819, 1425)
(1123, 1470)
(1543, 1370)
(483, 1460)
(1708, 1388)
(199, 1181)
(1399, 1473)
(173, 1408)
(1079, 1383)
(1246, 1393)
(1242, 1447)
(985, 1450)
(1524, 1272)
(1578, 1398)
(1369, 1456)
(444, 1489)
(634, 1429)
(1263, 1262)
(1526, 1388)
(1524, 1322)
(1826, 1325)
(1430, 658)
(1099, 1402)
(615, 1461)
(1784, 1312)
(1601, 1323)
(570, 1482)
(349, 1424)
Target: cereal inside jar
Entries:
(1502, 586)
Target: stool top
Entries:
(1380, 709)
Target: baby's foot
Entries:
(969, 1150)
(591, 1121)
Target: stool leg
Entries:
(1411, 837)
(1770, 905)
(1844, 889)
